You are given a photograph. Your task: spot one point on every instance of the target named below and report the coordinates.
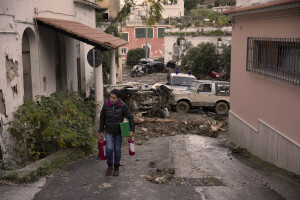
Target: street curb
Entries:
(21, 173)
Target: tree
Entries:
(155, 9)
(190, 4)
(213, 16)
(224, 60)
(224, 3)
(134, 55)
(199, 12)
(223, 19)
(154, 12)
(201, 59)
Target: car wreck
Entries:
(153, 100)
(143, 99)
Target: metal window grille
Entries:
(276, 58)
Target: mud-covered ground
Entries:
(183, 123)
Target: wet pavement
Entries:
(204, 165)
(86, 179)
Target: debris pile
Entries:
(238, 150)
(155, 127)
(160, 176)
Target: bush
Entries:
(51, 123)
(200, 59)
(224, 60)
(134, 55)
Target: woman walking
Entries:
(112, 114)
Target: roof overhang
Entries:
(265, 7)
(81, 32)
(88, 3)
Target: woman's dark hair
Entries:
(116, 92)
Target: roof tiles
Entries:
(82, 32)
(259, 6)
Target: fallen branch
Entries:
(152, 120)
(214, 127)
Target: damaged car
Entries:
(143, 99)
(138, 70)
(212, 95)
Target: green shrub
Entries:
(204, 58)
(134, 55)
(197, 23)
(12, 177)
(200, 59)
(44, 126)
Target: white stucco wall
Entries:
(173, 10)
(193, 41)
(15, 18)
(251, 2)
(176, 10)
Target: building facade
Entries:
(179, 41)
(265, 80)
(42, 51)
(136, 37)
(172, 8)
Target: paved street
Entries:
(195, 158)
(204, 167)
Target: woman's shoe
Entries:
(109, 170)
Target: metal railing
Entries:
(276, 58)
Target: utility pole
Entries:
(146, 30)
(146, 9)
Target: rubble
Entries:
(238, 150)
(147, 128)
(160, 176)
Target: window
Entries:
(141, 32)
(160, 32)
(26, 67)
(58, 71)
(204, 88)
(124, 51)
(125, 36)
(170, 2)
(222, 89)
(104, 15)
(277, 58)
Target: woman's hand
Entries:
(131, 135)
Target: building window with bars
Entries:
(141, 32)
(277, 58)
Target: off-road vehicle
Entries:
(202, 93)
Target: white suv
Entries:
(202, 93)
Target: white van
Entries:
(180, 81)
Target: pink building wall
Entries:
(156, 44)
(255, 97)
